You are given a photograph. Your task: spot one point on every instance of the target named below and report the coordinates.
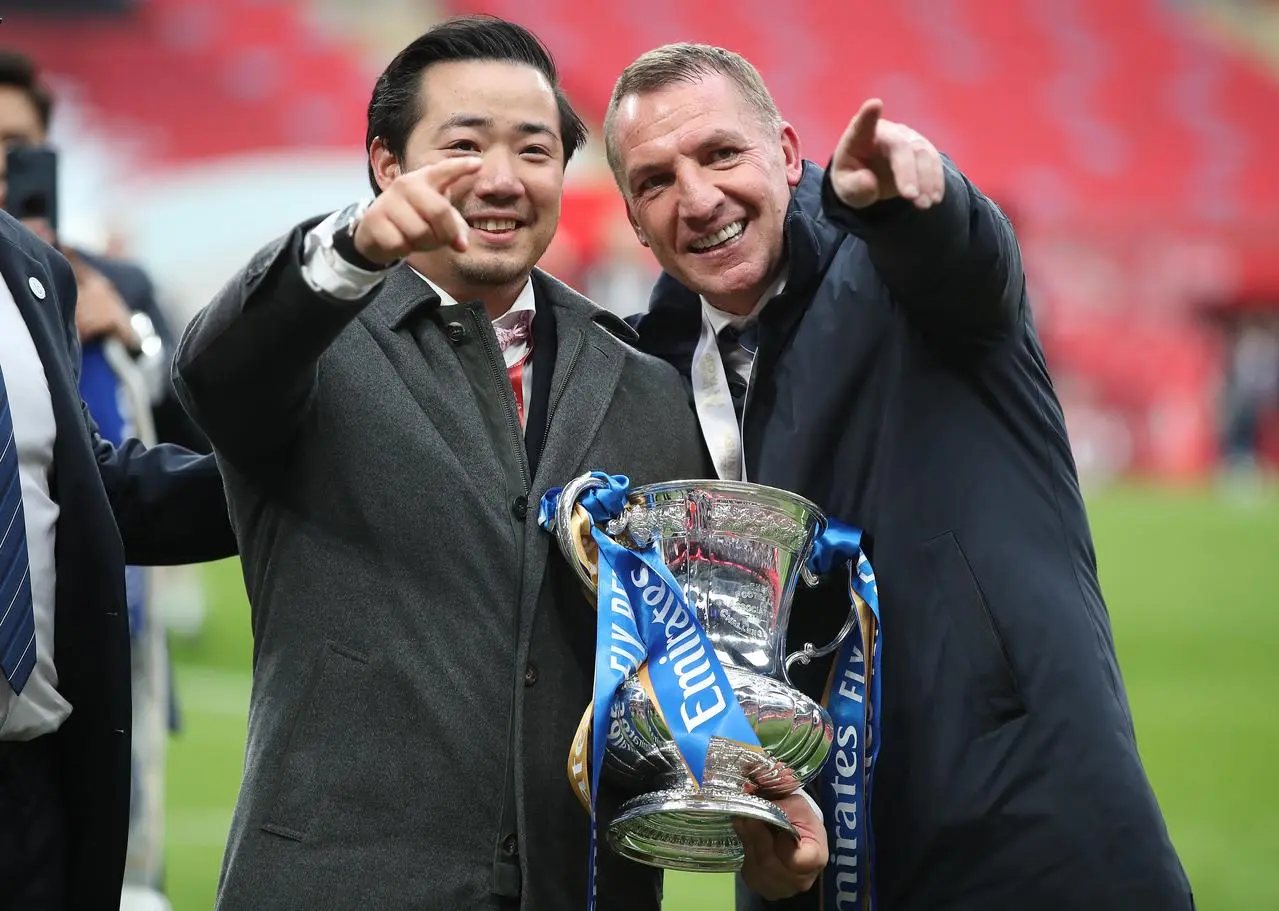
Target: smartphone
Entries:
(32, 184)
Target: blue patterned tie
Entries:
(17, 612)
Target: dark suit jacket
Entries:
(158, 506)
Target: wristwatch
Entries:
(344, 239)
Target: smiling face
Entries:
(707, 184)
(507, 114)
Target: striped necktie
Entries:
(737, 352)
(17, 612)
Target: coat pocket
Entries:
(992, 682)
(317, 754)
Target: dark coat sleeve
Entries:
(955, 268)
(247, 366)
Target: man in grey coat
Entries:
(390, 390)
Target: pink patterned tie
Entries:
(517, 334)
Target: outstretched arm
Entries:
(247, 367)
(945, 252)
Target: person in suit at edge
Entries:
(72, 509)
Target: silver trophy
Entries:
(738, 551)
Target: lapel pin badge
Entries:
(36, 288)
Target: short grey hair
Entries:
(683, 64)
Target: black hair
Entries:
(395, 107)
(19, 71)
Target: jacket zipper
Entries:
(750, 380)
(558, 392)
(516, 434)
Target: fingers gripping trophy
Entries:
(693, 710)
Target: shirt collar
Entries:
(718, 319)
(526, 300)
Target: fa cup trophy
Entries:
(736, 552)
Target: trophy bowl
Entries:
(737, 551)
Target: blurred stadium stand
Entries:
(57, 8)
(1132, 143)
(1251, 24)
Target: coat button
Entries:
(530, 674)
(456, 333)
(519, 507)
(510, 846)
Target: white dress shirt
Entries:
(325, 271)
(40, 709)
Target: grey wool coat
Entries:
(422, 652)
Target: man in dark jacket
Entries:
(75, 508)
(881, 360)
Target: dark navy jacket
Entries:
(901, 386)
(162, 505)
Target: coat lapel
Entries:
(404, 322)
(74, 483)
(588, 365)
(43, 316)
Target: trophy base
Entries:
(689, 830)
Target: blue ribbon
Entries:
(854, 705)
(644, 621)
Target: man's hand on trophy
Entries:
(415, 213)
(777, 866)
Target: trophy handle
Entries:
(810, 651)
(566, 529)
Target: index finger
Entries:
(444, 174)
(862, 129)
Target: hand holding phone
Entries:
(31, 185)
